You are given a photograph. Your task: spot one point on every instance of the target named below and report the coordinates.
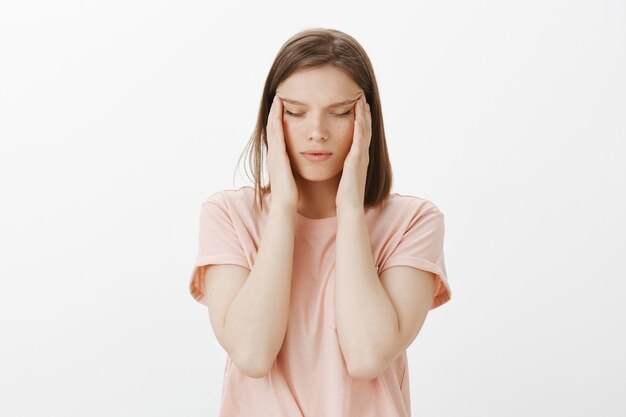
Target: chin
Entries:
(318, 176)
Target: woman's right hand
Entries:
(284, 189)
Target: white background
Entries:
(118, 118)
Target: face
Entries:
(312, 119)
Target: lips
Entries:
(314, 152)
(316, 155)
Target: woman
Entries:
(316, 291)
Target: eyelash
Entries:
(346, 114)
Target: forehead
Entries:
(319, 85)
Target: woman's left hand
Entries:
(351, 191)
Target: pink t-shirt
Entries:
(309, 377)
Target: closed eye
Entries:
(300, 114)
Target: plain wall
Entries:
(117, 119)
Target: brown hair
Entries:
(312, 48)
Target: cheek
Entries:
(290, 130)
(344, 133)
(345, 128)
(289, 133)
(341, 130)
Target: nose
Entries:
(317, 130)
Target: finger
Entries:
(274, 118)
(365, 111)
(358, 125)
(279, 113)
(362, 121)
(358, 110)
(270, 116)
(367, 116)
(278, 123)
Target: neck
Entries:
(317, 198)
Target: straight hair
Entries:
(318, 47)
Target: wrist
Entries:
(283, 209)
(349, 211)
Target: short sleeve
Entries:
(218, 243)
(421, 247)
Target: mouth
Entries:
(316, 156)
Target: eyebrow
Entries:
(341, 103)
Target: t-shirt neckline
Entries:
(310, 224)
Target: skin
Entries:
(320, 184)
(377, 316)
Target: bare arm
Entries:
(377, 318)
(255, 323)
(365, 316)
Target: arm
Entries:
(256, 321)
(377, 318)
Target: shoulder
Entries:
(411, 205)
(235, 205)
(231, 197)
(403, 214)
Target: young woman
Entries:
(318, 282)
